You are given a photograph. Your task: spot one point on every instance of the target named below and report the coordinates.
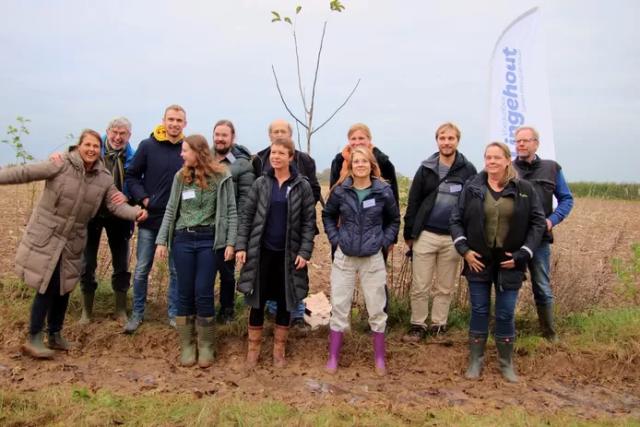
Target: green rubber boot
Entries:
(121, 307)
(205, 326)
(476, 357)
(57, 342)
(187, 332)
(505, 359)
(34, 347)
(545, 317)
(87, 307)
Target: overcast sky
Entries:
(69, 65)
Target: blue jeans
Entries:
(145, 252)
(539, 269)
(480, 297)
(297, 313)
(195, 263)
(227, 280)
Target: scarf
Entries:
(114, 162)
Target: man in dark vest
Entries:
(548, 180)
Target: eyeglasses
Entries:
(520, 141)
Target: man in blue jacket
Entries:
(548, 180)
(117, 155)
(149, 180)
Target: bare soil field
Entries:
(589, 385)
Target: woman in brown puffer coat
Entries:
(49, 256)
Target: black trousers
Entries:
(119, 233)
(50, 306)
(272, 287)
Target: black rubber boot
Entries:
(505, 359)
(57, 342)
(545, 317)
(87, 307)
(476, 356)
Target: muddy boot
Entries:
(476, 356)
(187, 331)
(280, 334)
(545, 317)
(505, 359)
(379, 352)
(34, 347)
(205, 326)
(87, 307)
(335, 345)
(120, 312)
(56, 341)
(253, 348)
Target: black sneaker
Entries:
(415, 334)
(436, 330)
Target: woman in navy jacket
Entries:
(496, 227)
(360, 218)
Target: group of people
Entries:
(209, 209)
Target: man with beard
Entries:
(238, 160)
(149, 181)
(433, 194)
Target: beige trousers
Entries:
(433, 254)
(373, 279)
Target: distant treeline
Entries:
(605, 190)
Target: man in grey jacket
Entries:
(238, 160)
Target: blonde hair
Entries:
(448, 125)
(359, 127)
(510, 172)
(375, 169)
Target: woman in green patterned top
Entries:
(200, 218)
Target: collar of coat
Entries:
(377, 184)
(478, 186)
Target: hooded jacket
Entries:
(361, 229)
(151, 174)
(239, 163)
(424, 189)
(57, 229)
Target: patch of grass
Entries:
(61, 406)
(628, 273)
(606, 190)
(615, 331)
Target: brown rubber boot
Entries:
(253, 348)
(280, 334)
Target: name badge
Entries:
(369, 203)
(455, 188)
(188, 194)
(231, 157)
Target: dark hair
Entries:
(205, 165)
(226, 123)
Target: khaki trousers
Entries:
(433, 254)
(373, 278)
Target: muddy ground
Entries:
(421, 376)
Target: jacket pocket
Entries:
(40, 231)
(510, 279)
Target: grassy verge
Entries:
(80, 407)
